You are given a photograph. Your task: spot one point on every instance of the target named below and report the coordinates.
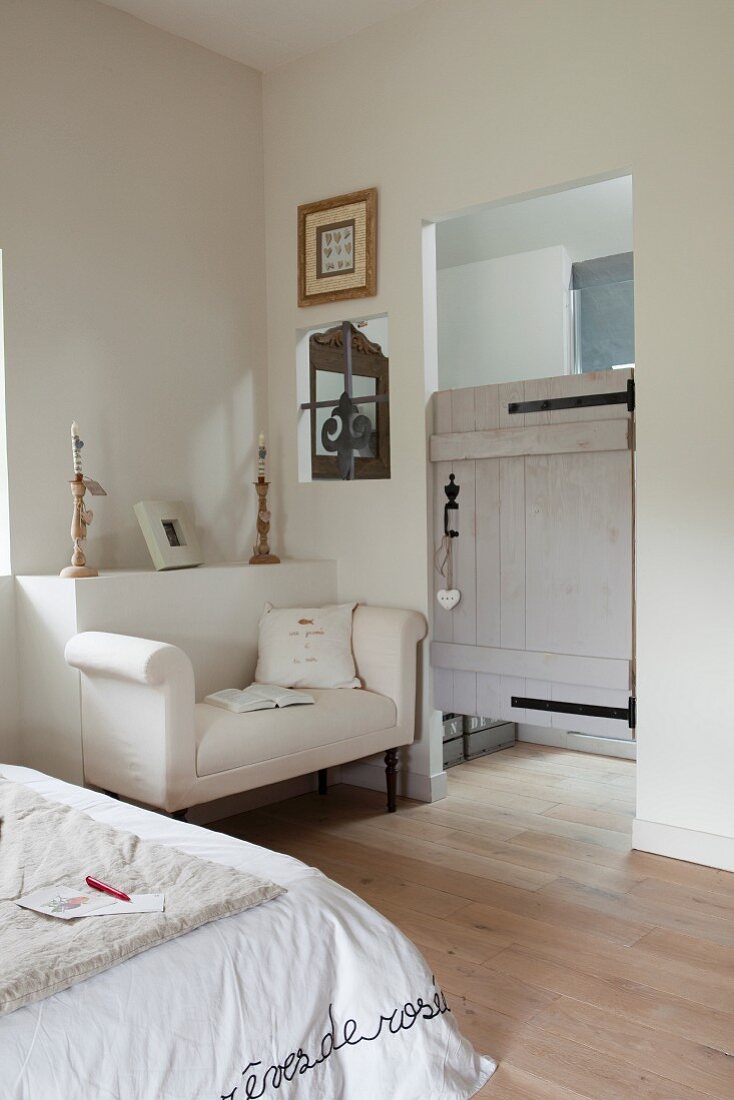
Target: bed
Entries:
(311, 995)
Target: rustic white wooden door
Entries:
(544, 631)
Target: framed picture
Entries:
(169, 533)
(337, 248)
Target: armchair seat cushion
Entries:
(227, 741)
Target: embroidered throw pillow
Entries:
(306, 647)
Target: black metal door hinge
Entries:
(587, 400)
(586, 710)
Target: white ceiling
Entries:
(263, 33)
(590, 221)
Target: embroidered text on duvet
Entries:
(256, 1080)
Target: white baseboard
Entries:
(578, 742)
(423, 788)
(668, 840)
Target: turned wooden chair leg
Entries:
(322, 780)
(391, 770)
(179, 815)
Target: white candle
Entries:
(76, 448)
(261, 453)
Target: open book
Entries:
(257, 697)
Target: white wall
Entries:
(590, 221)
(9, 733)
(464, 102)
(131, 225)
(504, 320)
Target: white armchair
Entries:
(146, 738)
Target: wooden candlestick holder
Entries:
(261, 550)
(80, 520)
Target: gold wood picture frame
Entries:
(337, 248)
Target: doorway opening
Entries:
(530, 357)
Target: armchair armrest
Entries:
(124, 657)
(385, 642)
(137, 717)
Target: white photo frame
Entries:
(169, 533)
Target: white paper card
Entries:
(139, 903)
(64, 902)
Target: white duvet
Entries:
(312, 995)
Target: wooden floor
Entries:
(587, 970)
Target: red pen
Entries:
(97, 885)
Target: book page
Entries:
(287, 697)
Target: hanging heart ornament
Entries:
(448, 598)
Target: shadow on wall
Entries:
(9, 711)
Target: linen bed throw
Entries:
(45, 843)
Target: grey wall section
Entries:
(604, 307)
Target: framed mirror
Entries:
(327, 382)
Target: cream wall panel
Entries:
(131, 226)
(471, 102)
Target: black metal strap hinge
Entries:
(626, 714)
(584, 401)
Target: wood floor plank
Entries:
(577, 1067)
(691, 922)
(667, 870)
(491, 1033)
(678, 1059)
(510, 1083)
(549, 757)
(468, 863)
(707, 902)
(546, 909)
(486, 838)
(565, 790)
(651, 1008)
(510, 852)
(592, 972)
(519, 776)
(597, 956)
(600, 819)
(460, 788)
(423, 872)
(485, 835)
(379, 888)
(563, 768)
(662, 943)
(539, 822)
(520, 1000)
(458, 940)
